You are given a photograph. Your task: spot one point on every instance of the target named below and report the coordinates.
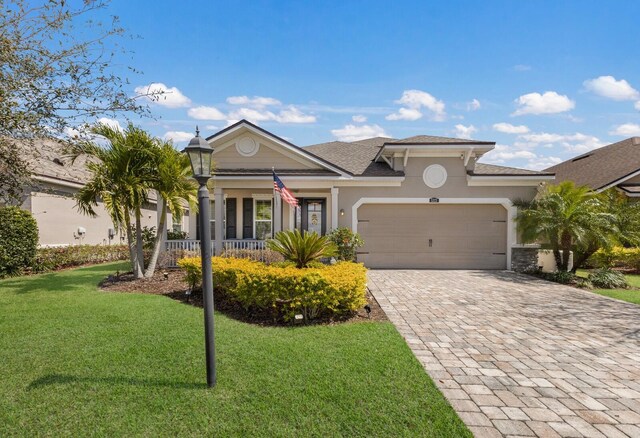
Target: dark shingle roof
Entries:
(492, 169)
(601, 167)
(432, 139)
(46, 157)
(356, 157)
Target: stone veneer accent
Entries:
(524, 258)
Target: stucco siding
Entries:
(58, 219)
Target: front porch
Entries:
(242, 219)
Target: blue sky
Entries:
(546, 80)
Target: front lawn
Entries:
(77, 361)
(631, 295)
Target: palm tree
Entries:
(120, 176)
(568, 218)
(302, 249)
(172, 181)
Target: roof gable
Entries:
(223, 139)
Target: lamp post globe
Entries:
(199, 153)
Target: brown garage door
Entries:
(433, 236)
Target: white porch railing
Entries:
(177, 249)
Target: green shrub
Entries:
(267, 256)
(608, 279)
(284, 291)
(562, 277)
(18, 240)
(51, 259)
(176, 235)
(301, 248)
(347, 243)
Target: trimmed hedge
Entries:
(18, 240)
(283, 290)
(51, 259)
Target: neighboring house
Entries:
(418, 202)
(50, 199)
(616, 165)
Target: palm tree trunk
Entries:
(565, 242)
(139, 271)
(133, 256)
(157, 243)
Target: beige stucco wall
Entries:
(414, 187)
(269, 154)
(58, 219)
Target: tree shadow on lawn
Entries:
(60, 281)
(67, 379)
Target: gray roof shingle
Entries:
(601, 167)
(356, 157)
(432, 139)
(492, 169)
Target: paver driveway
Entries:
(519, 356)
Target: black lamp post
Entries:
(199, 153)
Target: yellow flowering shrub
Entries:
(285, 290)
(617, 256)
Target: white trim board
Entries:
(505, 202)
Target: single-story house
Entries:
(49, 197)
(616, 165)
(418, 202)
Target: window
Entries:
(262, 219)
(212, 219)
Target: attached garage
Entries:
(433, 236)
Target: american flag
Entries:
(285, 194)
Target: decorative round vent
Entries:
(247, 146)
(435, 176)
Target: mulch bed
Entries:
(171, 283)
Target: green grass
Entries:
(75, 361)
(630, 295)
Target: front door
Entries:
(312, 216)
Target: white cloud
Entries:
(473, 105)
(413, 102)
(291, 114)
(503, 154)
(206, 113)
(626, 130)
(170, 97)
(549, 102)
(611, 88)
(540, 163)
(353, 132)
(112, 123)
(254, 102)
(211, 127)
(178, 136)
(294, 115)
(405, 114)
(574, 143)
(462, 131)
(508, 128)
(637, 105)
(359, 118)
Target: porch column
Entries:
(512, 231)
(218, 196)
(277, 213)
(334, 208)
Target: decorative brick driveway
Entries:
(517, 356)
